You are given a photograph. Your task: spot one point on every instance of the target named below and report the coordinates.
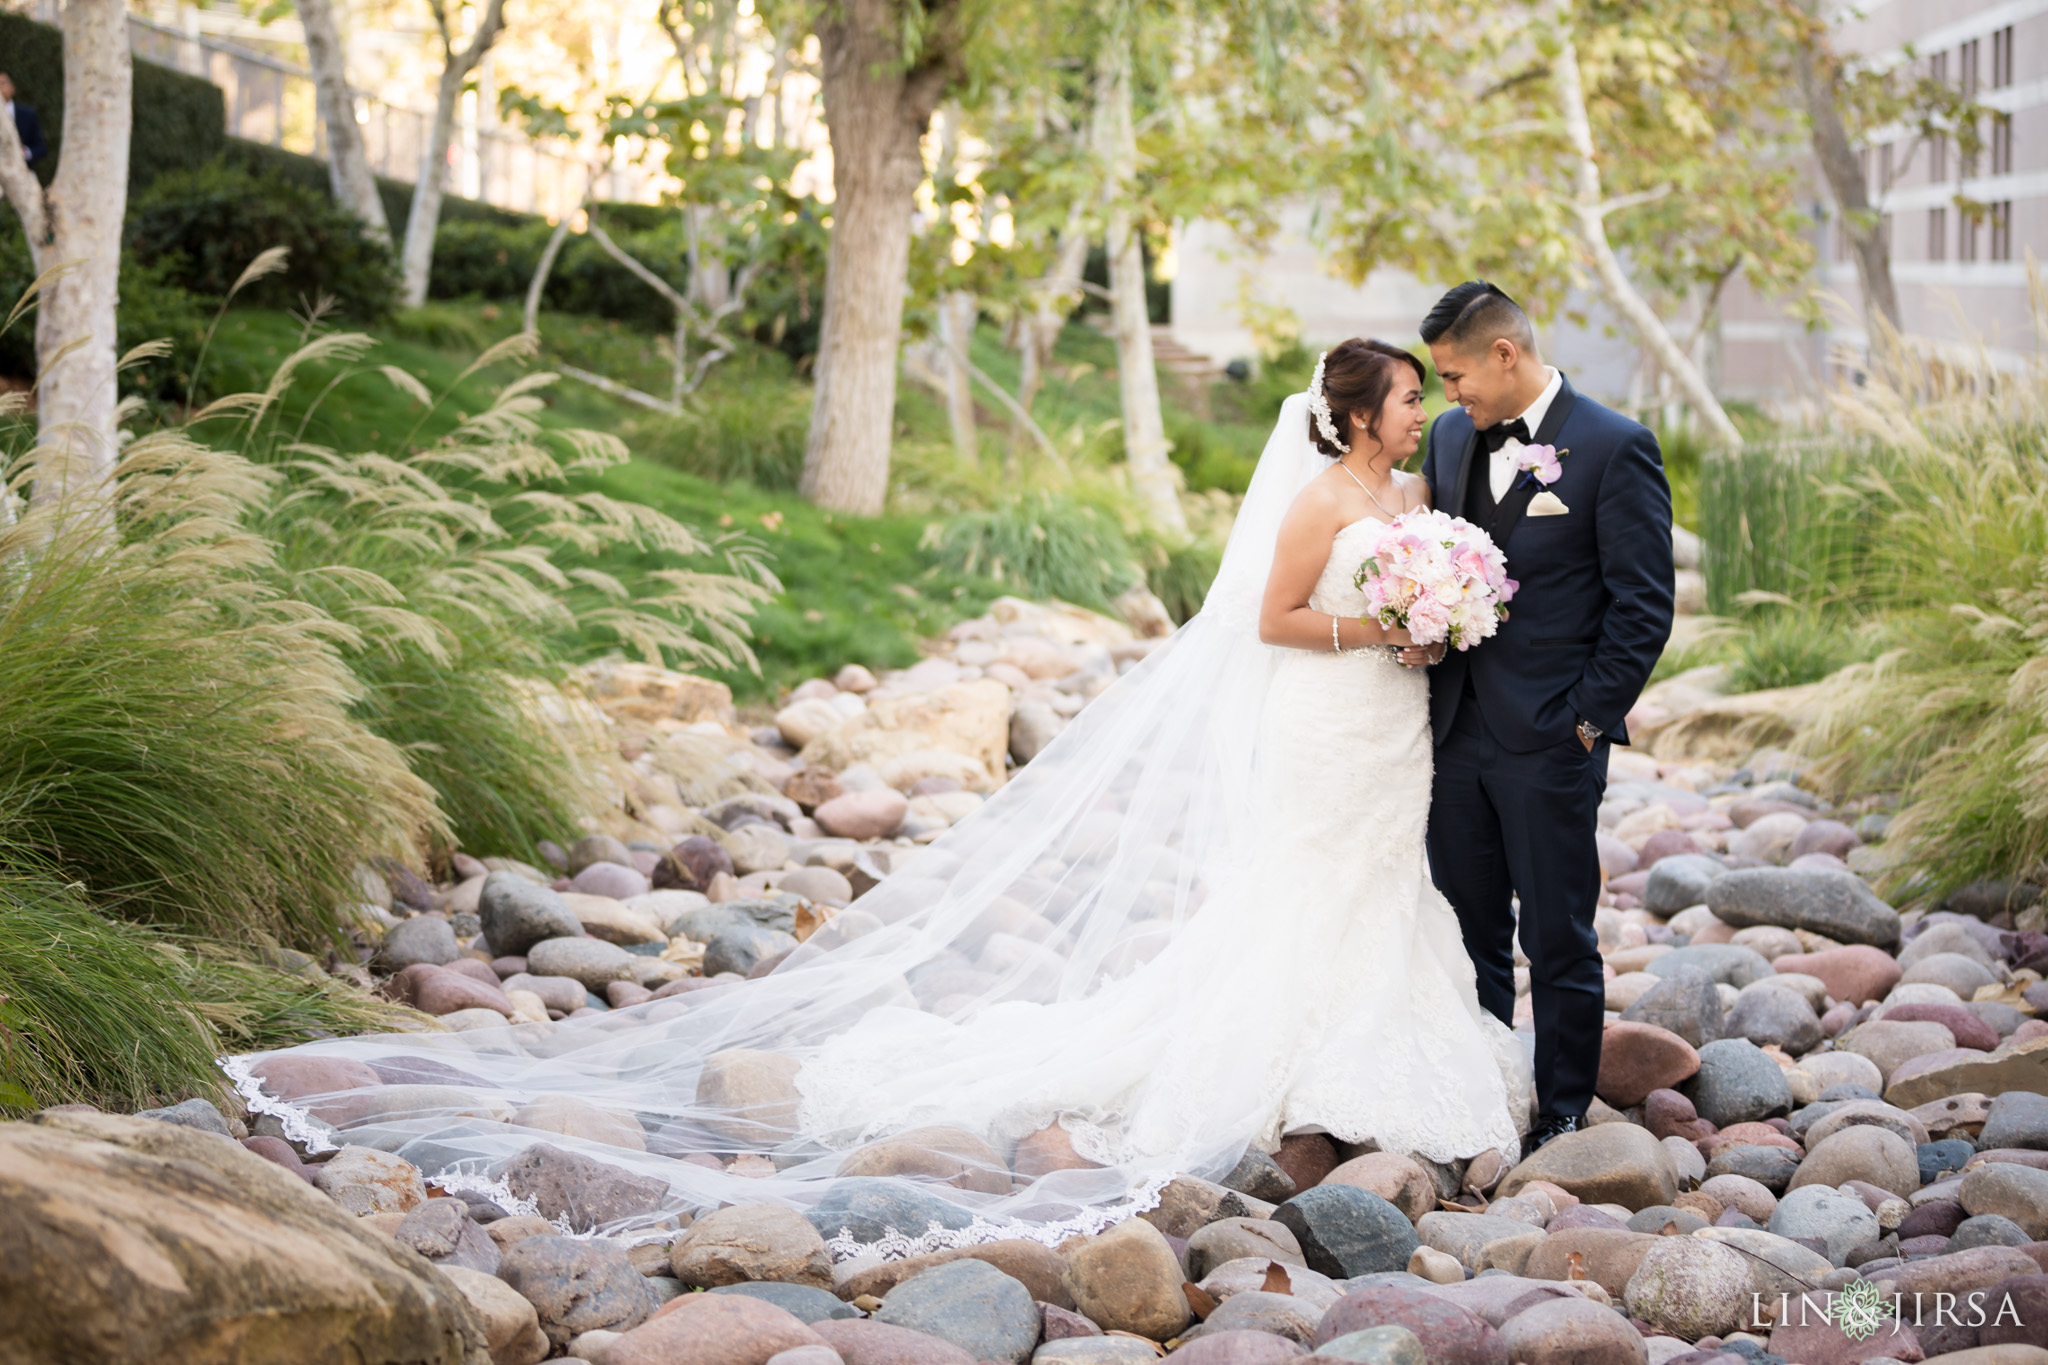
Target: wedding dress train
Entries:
(1199, 920)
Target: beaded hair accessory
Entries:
(1319, 405)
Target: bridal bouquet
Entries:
(1439, 577)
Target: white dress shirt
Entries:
(1502, 474)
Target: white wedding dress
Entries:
(1199, 920)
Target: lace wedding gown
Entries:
(1200, 919)
(1322, 987)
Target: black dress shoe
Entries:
(1550, 1126)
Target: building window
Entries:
(1966, 68)
(2001, 58)
(1937, 234)
(1937, 157)
(2001, 144)
(2001, 231)
(1884, 168)
(1966, 236)
(1884, 231)
(1937, 68)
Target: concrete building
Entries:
(1960, 273)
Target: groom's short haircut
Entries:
(1475, 314)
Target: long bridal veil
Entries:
(1029, 968)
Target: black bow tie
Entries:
(1497, 436)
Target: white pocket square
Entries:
(1547, 504)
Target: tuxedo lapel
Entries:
(1523, 491)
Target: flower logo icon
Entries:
(1859, 1310)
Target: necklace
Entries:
(1367, 491)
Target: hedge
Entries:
(262, 159)
(180, 121)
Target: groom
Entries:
(1523, 721)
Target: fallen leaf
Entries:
(1199, 1299)
(1276, 1280)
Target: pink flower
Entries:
(1541, 461)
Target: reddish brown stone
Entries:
(1856, 973)
(1637, 1058)
(1049, 1149)
(1666, 1113)
(1970, 1031)
(1307, 1158)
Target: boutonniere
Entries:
(1540, 465)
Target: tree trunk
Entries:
(1860, 226)
(957, 313)
(416, 259)
(1057, 291)
(75, 229)
(1614, 282)
(1146, 448)
(878, 110)
(348, 165)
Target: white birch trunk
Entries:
(957, 312)
(1057, 292)
(877, 113)
(75, 230)
(416, 258)
(348, 165)
(1620, 292)
(1153, 477)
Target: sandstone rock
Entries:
(517, 914)
(1690, 1287)
(441, 1231)
(1861, 1152)
(578, 1118)
(1608, 1256)
(751, 1242)
(1128, 1279)
(970, 1304)
(131, 1239)
(1391, 1176)
(511, 1327)
(1449, 1334)
(2010, 1191)
(1049, 1149)
(863, 814)
(1839, 905)
(364, 1180)
(1607, 1163)
(721, 1329)
(1465, 1236)
(971, 718)
(1344, 1230)
(1230, 1239)
(1572, 1332)
(2017, 1065)
(580, 1190)
(1187, 1204)
(1636, 1058)
(1037, 1267)
(952, 1156)
(752, 1094)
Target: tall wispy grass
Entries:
(1952, 515)
(178, 735)
(469, 570)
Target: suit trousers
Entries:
(1504, 826)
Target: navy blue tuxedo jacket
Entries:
(1595, 600)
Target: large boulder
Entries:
(1683, 1003)
(970, 718)
(1834, 904)
(127, 1239)
(1681, 881)
(1690, 1287)
(1129, 1279)
(2014, 1066)
(1608, 1163)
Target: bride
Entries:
(1199, 921)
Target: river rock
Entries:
(1808, 1333)
(1737, 1083)
(2012, 1191)
(1861, 1152)
(751, 1242)
(1777, 1265)
(364, 1180)
(1684, 1003)
(1681, 881)
(752, 1096)
(801, 1301)
(130, 1239)
(511, 1327)
(421, 939)
(578, 1285)
(1636, 1058)
(1466, 1235)
(1230, 1239)
(1129, 1279)
(1608, 1256)
(729, 1329)
(1344, 1230)
(1572, 1331)
(1739, 1192)
(517, 914)
(1768, 838)
(692, 865)
(1855, 973)
(1274, 1314)
(1385, 1345)
(1836, 905)
(867, 1210)
(1890, 1044)
(970, 1304)
(1841, 1222)
(1724, 962)
(1690, 1287)
(1450, 1335)
(1391, 1176)
(742, 949)
(441, 1230)
(2018, 1118)
(1963, 1023)
(580, 1190)
(1779, 1018)
(1608, 1163)
(591, 961)
(1107, 1350)
(953, 1156)
(1771, 1167)
(1963, 975)
(863, 815)
(2016, 1065)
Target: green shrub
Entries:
(1783, 646)
(152, 309)
(204, 226)
(179, 121)
(1773, 519)
(266, 162)
(1045, 544)
(1179, 576)
(177, 737)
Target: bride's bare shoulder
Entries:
(1414, 490)
(1319, 500)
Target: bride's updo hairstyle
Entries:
(1357, 377)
